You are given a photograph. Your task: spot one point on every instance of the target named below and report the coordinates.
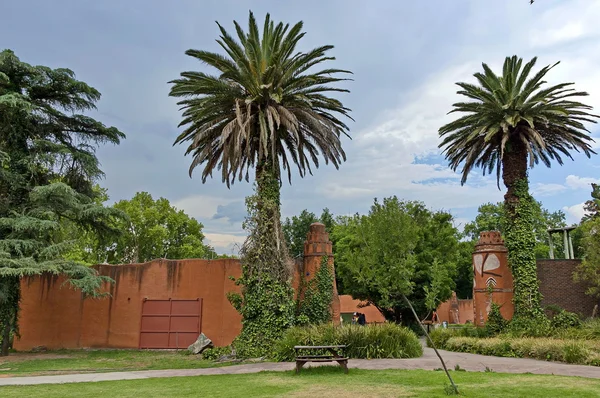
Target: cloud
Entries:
(225, 243)
(233, 212)
(574, 213)
(201, 206)
(576, 182)
(541, 189)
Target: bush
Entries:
(533, 327)
(370, 341)
(588, 330)
(565, 319)
(570, 351)
(440, 336)
(495, 323)
(214, 353)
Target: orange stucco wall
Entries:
(465, 311)
(55, 316)
(372, 314)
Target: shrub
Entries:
(440, 335)
(370, 341)
(533, 327)
(588, 330)
(565, 319)
(495, 323)
(570, 351)
(214, 353)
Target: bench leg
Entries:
(299, 365)
(344, 364)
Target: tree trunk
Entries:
(519, 233)
(268, 206)
(9, 309)
(5, 338)
(454, 387)
(514, 169)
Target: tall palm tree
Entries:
(512, 123)
(264, 110)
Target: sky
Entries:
(405, 56)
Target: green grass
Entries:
(61, 362)
(325, 382)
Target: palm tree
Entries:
(265, 110)
(512, 123)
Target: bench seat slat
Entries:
(323, 360)
(317, 347)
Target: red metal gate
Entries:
(170, 323)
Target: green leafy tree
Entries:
(589, 269)
(587, 237)
(155, 229)
(511, 123)
(491, 217)
(295, 229)
(399, 248)
(266, 110)
(464, 270)
(592, 206)
(48, 172)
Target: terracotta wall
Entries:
(465, 311)
(349, 305)
(55, 316)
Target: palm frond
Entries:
(266, 104)
(515, 108)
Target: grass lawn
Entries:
(324, 382)
(62, 362)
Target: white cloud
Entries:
(225, 243)
(574, 213)
(201, 206)
(540, 190)
(566, 22)
(576, 182)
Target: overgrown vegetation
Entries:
(267, 299)
(520, 242)
(371, 341)
(579, 343)
(570, 351)
(589, 270)
(313, 301)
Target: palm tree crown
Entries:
(513, 113)
(264, 107)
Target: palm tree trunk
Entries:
(519, 233)
(514, 169)
(269, 213)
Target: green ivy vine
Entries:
(266, 302)
(520, 242)
(313, 304)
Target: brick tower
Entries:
(492, 280)
(316, 246)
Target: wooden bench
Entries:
(334, 355)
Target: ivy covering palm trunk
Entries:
(265, 110)
(512, 122)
